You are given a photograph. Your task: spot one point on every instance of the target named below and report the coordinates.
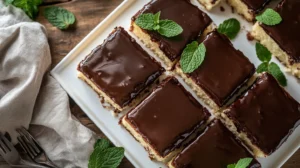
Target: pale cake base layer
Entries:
(209, 4)
(107, 99)
(260, 35)
(242, 9)
(199, 92)
(241, 135)
(146, 39)
(153, 154)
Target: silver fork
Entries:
(12, 156)
(33, 149)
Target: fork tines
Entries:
(28, 143)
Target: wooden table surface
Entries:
(89, 13)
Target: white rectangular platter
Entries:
(88, 100)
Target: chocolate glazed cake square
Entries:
(165, 120)
(193, 21)
(264, 117)
(216, 147)
(223, 72)
(119, 69)
(283, 39)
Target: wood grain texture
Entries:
(89, 13)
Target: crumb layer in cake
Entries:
(223, 72)
(283, 40)
(215, 148)
(209, 4)
(248, 8)
(264, 117)
(165, 120)
(189, 17)
(111, 69)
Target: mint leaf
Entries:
(243, 163)
(263, 54)
(30, 7)
(105, 156)
(146, 21)
(169, 28)
(230, 28)
(231, 166)
(192, 57)
(274, 70)
(269, 17)
(102, 144)
(59, 17)
(263, 67)
(156, 17)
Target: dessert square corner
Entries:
(156, 123)
(264, 117)
(222, 76)
(190, 18)
(110, 72)
(223, 147)
(209, 4)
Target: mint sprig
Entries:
(105, 155)
(230, 28)
(30, 7)
(242, 163)
(269, 17)
(192, 57)
(152, 22)
(59, 17)
(272, 68)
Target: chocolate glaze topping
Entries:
(189, 17)
(287, 33)
(120, 67)
(266, 113)
(224, 69)
(168, 116)
(215, 148)
(256, 5)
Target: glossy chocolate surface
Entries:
(287, 34)
(189, 17)
(266, 113)
(120, 67)
(168, 116)
(224, 69)
(256, 5)
(215, 148)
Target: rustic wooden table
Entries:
(89, 13)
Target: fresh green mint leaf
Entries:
(59, 17)
(30, 7)
(230, 28)
(243, 163)
(105, 155)
(156, 17)
(263, 67)
(192, 57)
(263, 54)
(274, 70)
(146, 21)
(102, 144)
(169, 28)
(231, 166)
(269, 17)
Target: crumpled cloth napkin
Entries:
(24, 101)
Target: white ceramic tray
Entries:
(87, 99)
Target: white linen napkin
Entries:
(25, 101)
